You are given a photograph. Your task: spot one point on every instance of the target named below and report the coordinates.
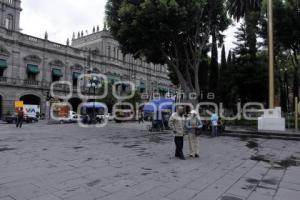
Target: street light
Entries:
(94, 83)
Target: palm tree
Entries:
(239, 8)
(250, 11)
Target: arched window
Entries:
(9, 22)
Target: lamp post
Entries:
(94, 83)
(271, 54)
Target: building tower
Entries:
(10, 14)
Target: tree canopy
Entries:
(187, 36)
(175, 32)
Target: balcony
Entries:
(3, 79)
(31, 82)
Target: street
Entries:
(125, 161)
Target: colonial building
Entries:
(28, 65)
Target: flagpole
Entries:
(271, 54)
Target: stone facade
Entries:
(27, 63)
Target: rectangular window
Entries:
(56, 75)
(32, 71)
(75, 82)
(1, 72)
(9, 22)
(75, 78)
(31, 76)
(55, 78)
(6, 23)
(109, 51)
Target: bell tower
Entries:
(10, 14)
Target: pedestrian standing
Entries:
(141, 117)
(177, 124)
(194, 126)
(214, 124)
(20, 118)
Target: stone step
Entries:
(265, 133)
(267, 136)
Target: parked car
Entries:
(10, 119)
(73, 117)
(110, 117)
(30, 119)
(107, 116)
(27, 119)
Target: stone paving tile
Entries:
(6, 198)
(118, 186)
(283, 194)
(242, 188)
(258, 196)
(258, 172)
(159, 192)
(89, 194)
(24, 192)
(182, 194)
(292, 176)
(268, 192)
(133, 192)
(216, 189)
(46, 197)
(69, 192)
(289, 186)
(228, 196)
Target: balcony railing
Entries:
(38, 84)
(31, 82)
(3, 79)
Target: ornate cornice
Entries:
(33, 58)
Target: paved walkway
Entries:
(119, 162)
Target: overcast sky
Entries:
(60, 18)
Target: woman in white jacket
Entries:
(194, 126)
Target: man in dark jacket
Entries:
(20, 118)
(177, 124)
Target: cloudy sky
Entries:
(60, 18)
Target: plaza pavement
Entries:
(124, 161)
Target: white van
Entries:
(72, 118)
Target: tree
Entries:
(109, 99)
(223, 75)
(251, 78)
(229, 58)
(223, 59)
(239, 8)
(288, 31)
(136, 99)
(250, 74)
(214, 67)
(242, 44)
(175, 32)
(250, 11)
(220, 22)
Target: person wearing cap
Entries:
(194, 125)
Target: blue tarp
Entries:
(158, 105)
(93, 105)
